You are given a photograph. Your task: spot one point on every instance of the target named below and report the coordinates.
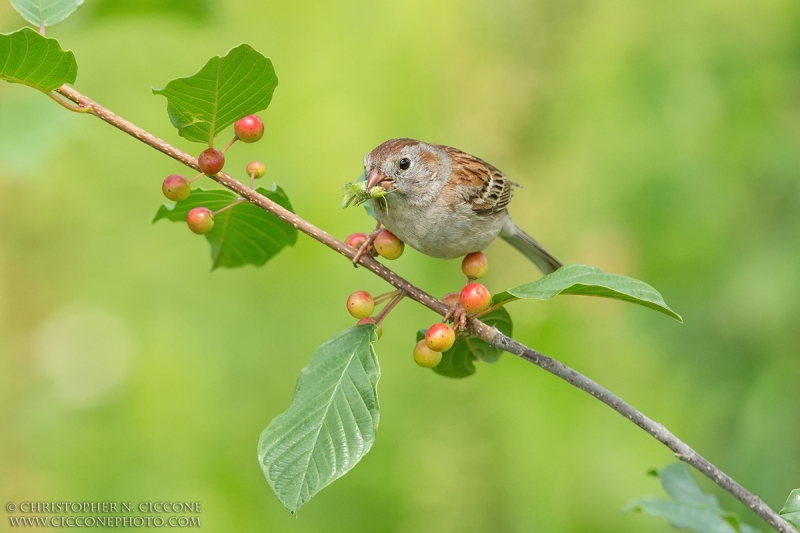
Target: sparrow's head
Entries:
(404, 166)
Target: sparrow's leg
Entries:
(367, 247)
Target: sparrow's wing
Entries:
(480, 184)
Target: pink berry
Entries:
(440, 337)
(356, 240)
(200, 220)
(475, 298)
(475, 265)
(451, 299)
(256, 169)
(176, 188)
(425, 357)
(388, 246)
(360, 304)
(211, 161)
(370, 320)
(249, 129)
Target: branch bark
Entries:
(491, 335)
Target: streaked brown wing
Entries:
(483, 186)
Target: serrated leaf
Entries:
(46, 12)
(244, 234)
(458, 361)
(587, 280)
(36, 61)
(331, 422)
(690, 508)
(226, 89)
(791, 510)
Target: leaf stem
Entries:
(491, 335)
(76, 109)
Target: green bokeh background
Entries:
(659, 140)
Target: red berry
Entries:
(451, 299)
(440, 337)
(176, 188)
(475, 298)
(370, 320)
(360, 304)
(475, 265)
(200, 220)
(256, 169)
(211, 161)
(425, 357)
(388, 246)
(249, 129)
(356, 240)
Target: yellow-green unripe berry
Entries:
(388, 246)
(256, 169)
(176, 188)
(200, 220)
(475, 265)
(360, 304)
(425, 357)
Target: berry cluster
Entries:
(473, 299)
(211, 161)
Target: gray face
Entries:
(408, 167)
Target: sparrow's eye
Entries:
(404, 163)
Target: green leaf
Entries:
(791, 510)
(36, 61)
(226, 89)
(689, 507)
(331, 422)
(458, 361)
(590, 281)
(244, 234)
(679, 483)
(46, 12)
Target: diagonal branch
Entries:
(492, 336)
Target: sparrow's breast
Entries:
(439, 231)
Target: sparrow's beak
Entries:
(374, 178)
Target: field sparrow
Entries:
(446, 203)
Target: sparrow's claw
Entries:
(459, 316)
(368, 246)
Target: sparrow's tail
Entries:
(529, 247)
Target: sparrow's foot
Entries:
(459, 316)
(368, 247)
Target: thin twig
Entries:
(491, 335)
(229, 206)
(388, 309)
